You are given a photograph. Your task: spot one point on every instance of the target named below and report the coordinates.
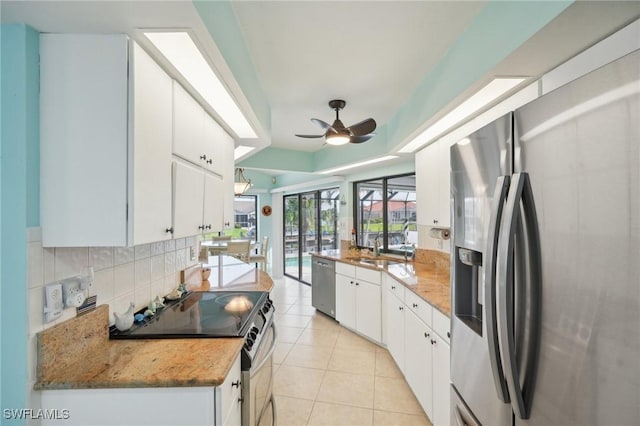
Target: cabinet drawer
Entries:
(368, 275)
(421, 308)
(229, 393)
(395, 288)
(442, 325)
(345, 269)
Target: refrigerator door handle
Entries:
(519, 192)
(499, 197)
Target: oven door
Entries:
(257, 383)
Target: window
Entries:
(386, 210)
(245, 208)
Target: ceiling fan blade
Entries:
(362, 138)
(364, 127)
(322, 124)
(309, 136)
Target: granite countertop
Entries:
(77, 354)
(429, 278)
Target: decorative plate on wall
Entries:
(266, 210)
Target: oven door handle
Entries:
(255, 370)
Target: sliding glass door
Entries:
(310, 225)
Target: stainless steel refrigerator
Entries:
(546, 259)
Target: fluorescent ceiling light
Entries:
(489, 93)
(361, 163)
(242, 150)
(184, 55)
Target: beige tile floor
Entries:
(328, 375)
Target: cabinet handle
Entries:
(433, 342)
(415, 305)
(201, 227)
(350, 282)
(169, 230)
(435, 221)
(208, 227)
(426, 335)
(237, 383)
(400, 308)
(209, 161)
(448, 335)
(240, 400)
(203, 157)
(393, 287)
(357, 283)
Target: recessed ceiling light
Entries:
(242, 150)
(361, 163)
(489, 93)
(184, 55)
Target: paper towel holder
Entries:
(440, 233)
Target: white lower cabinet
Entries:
(146, 406)
(441, 380)
(426, 367)
(394, 313)
(419, 360)
(417, 337)
(358, 302)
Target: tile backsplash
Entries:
(122, 274)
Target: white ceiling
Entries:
(373, 54)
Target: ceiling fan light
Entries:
(338, 139)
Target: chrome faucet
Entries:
(404, 248)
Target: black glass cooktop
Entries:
(200, 314)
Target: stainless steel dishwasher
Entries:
(323, 286)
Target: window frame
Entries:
(385, 213)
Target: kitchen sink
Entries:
(379, 262)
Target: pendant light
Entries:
(241, 184)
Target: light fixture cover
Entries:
(241, 184)
(338, 139)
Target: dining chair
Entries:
(239, 249)
(262, 256)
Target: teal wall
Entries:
(19, 159)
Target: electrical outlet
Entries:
(52, 302)
(73, 294)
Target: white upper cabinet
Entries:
(188, 197)
(188, 126)
(212, 215)
(433, 185)
(197, 137)
(106, 126)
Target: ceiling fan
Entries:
(338, 134)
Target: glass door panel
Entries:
(291, 237)
(309, 224)
(329, 202)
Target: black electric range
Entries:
(205, 315)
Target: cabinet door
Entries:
(228, 176)
(419, 360)
(213, 208)
(427, 191)
(150, 165)
(441, 365)
(394, 321)
(188, 192)
(214, 141)
(444, 184)
(346, 301)
(368, 310)
(188, 126)
(83, 140)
